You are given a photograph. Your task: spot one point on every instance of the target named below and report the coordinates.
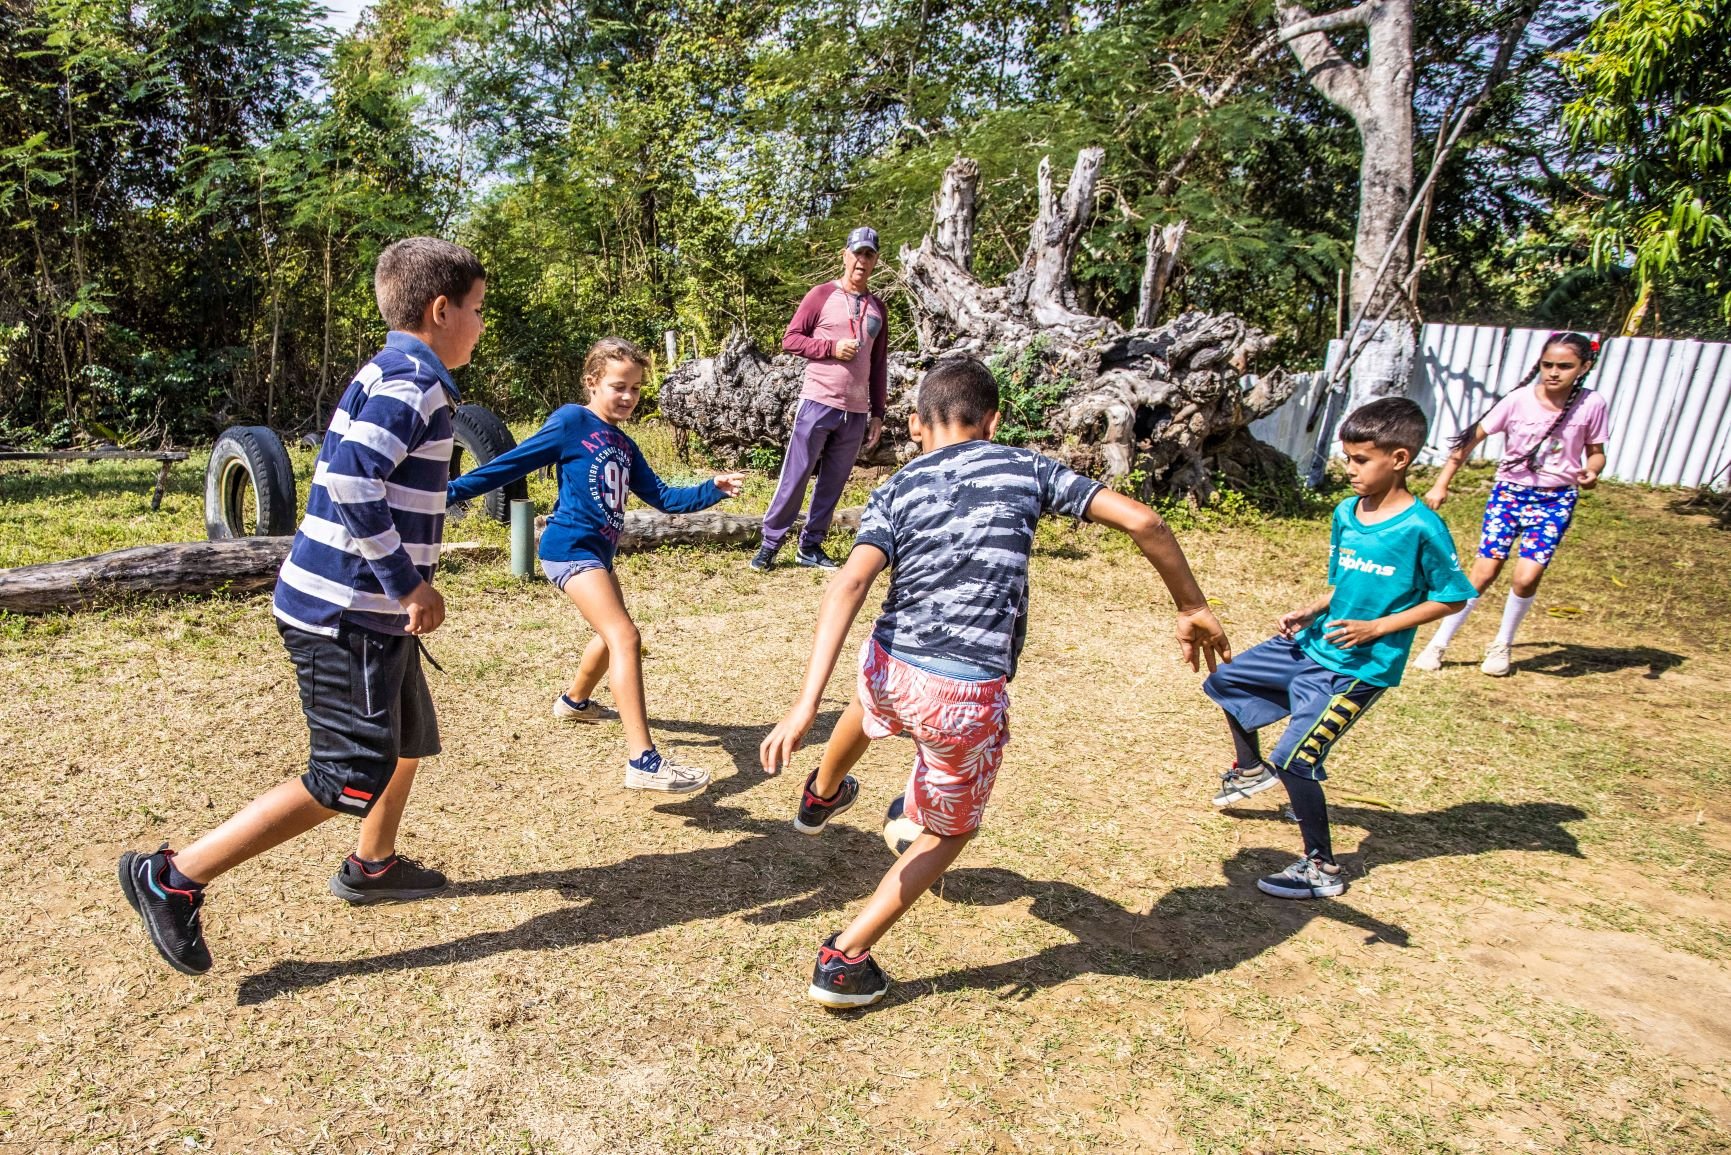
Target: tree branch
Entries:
(1358, 15)
(1331, 73)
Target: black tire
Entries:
(249, 486)
(479, 437)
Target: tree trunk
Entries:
(1163, 403)
(1378, 97)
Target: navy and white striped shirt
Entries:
(376, 513)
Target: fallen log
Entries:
(249, 565)
(243, 566)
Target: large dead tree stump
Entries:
(1164, 406)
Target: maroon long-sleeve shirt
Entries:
(829, 313)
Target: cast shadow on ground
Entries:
(772, 874)
(1197, 930)
(1572, 661)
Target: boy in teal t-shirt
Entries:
(1393, 568)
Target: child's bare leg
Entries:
(847, 745)
(378, 840)
(597, 596)
(590, 667)
(921, 865)
(279, 814)
(1528, 574)
(1484, 572)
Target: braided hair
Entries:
(1587, 350)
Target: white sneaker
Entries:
(1429, 658)
(565, 710)
(1496, 662)
(669, 778)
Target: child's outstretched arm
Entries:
(835, 616)
(1439, 490)
(1199, 632)
(651, 490)
(542, 449)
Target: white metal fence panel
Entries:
(1670, 401)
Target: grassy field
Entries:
(1535, 954)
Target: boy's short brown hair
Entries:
(958, 391)
(1389, 423)
(415, 272)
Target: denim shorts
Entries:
(560, 572)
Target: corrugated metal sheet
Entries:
(1670, 400)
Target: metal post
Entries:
(522, 537)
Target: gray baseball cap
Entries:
(864, 237)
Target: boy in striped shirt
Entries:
(352, 601)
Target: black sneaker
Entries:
(840, 982)
(399, 880)
(1241, 782)
(1306, 878)
(170, 916)
(815, 558)
(815, 811)
(763, 560)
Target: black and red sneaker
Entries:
(841, 982)
(170, 914)
(814, 812)
(396, 879)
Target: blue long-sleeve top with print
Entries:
(597, 464)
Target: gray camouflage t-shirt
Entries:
(957, 525)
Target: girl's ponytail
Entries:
(1587, 350)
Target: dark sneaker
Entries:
(1305, 878)
(815, 558)
(170, 916)
(763, 560)
(399, 880)
(1241, 782)
(840, 982)
(815, 811)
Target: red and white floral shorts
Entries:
(959, 730)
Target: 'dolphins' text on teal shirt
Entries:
(1383, 569)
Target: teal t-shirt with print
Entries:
(1383, 569)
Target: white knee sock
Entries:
(1451, 625)
(1513, 611)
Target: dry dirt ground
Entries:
(1535, 954)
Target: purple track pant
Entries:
(824, 439)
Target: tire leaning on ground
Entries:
(481, 436)
(249, 486)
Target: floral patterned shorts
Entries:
(1538, 516)
(959, 730)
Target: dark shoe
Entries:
(399, 880)
(839, 982)
(1241, 782)
(1305, 878)
(815, 558)
(815, 811)
(763, 560)
(170, 916)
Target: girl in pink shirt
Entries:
(1554, 431)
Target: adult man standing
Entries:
(841, 329)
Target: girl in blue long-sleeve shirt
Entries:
(597, 465)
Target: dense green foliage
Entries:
(1655, 77)
(192, 193)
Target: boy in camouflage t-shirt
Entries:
(955, 527)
